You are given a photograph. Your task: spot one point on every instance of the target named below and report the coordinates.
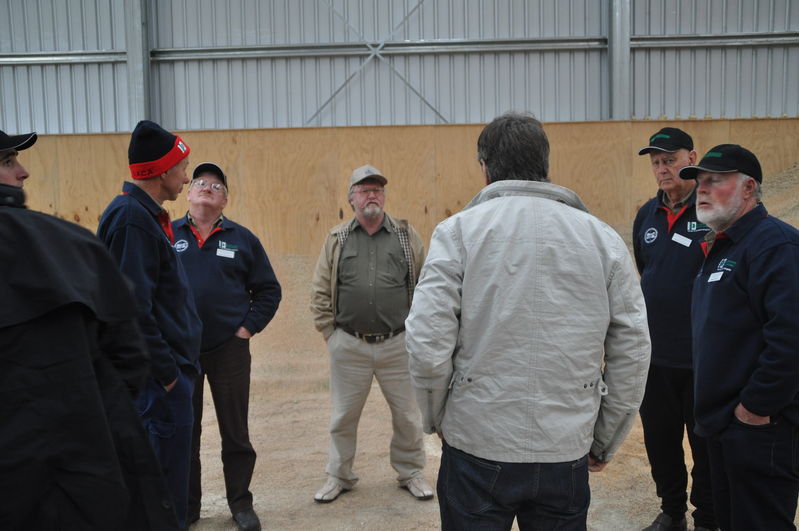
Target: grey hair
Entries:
(758, 191)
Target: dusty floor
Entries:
(289, 418)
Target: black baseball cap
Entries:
(726, 158)
(668, 139)
(209, 167)
(18, 142)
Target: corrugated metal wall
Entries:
(402, 61)
(750, 69)
(222, 64)
(62, 66)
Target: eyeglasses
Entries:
(202, 184)
(367, 191)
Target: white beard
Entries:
(372, 211)
(720, 217)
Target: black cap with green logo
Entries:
(668, 139)
(726, 158)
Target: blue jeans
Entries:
(755, 474)
(475, 493)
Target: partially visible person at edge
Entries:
(528, 343)
(237, 294)
(667, 244)
(73, 452)
(362, 289)
(136, 229)
(746, 344)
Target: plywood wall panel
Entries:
(289, 186)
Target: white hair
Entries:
(758, 192)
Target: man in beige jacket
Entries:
(362, 291)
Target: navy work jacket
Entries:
(130, 229)
(744, 313)
(667, 249)
(231, 278)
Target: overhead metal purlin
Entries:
(60, 58)
(425, 47)
(729, 40)
(619, 60)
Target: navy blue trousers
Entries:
(666, 412)
(168, 419)
(479, 494)
(755, 474)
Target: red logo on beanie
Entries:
(150, 169)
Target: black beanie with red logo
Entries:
(153, 150)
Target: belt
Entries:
(370, 338)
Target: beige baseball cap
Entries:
(366, 172)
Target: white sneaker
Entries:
(419, 488)
(329, 492)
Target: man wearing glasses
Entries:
(237, 295)
(361, 294)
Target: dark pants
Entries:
(168, 419)
(478, 494)
(228, 372)
(666, 412)
(755, 476)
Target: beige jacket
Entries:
(323, 288)
(527, 338)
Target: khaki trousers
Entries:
(353, 363)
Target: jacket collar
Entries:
(389, 223)
(690, 200)
(142, 197)
(747, 222)
(12, 196)
(528, 188)
(187, 220)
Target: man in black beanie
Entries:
(137, 230)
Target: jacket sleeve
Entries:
(433, 325)
(138, 256)
(639, 257)
(773, 288)
(417, 250)
(627, 353)
(264, 289)
(321, 297)
(123, 345)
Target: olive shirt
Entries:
(372, 281)
(324, 288)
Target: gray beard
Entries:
(720, 218)
(372, 212)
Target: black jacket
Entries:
(73, 451)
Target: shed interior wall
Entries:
(289, 185)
